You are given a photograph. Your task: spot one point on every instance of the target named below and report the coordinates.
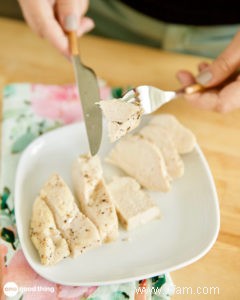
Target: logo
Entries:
(10, 289)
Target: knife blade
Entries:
(88, 90)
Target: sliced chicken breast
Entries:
(94, 199)
(47, 239)
(122, 117)
(134, 206)
(160, 137)
(142, 160)
(80, 233)
(183, 138)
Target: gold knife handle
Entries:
(72, 42)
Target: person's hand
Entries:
(51, 18)
(221, 98)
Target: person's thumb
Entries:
(70, 12)
(223, 66)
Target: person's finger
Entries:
(40, 17)
(229, 97)
(68, 13)
(207, 100)
(222, 101)
(185, 78)
(222, 67)
(203, 66)
(86, 25)
(71, 12)
(55, 35)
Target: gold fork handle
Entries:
(72, 42)
(191, 89)
(194, 88)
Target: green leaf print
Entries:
(117, 92)
(43, 127)
(13, 113)
(120, 296)
(23, 141)
(8, 91)
(158, 281)
(8, 236)
(27, 102)
(4, 198)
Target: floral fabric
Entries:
(30, 110)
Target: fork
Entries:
(152, 98)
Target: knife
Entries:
(88, 91)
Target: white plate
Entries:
(187, 230)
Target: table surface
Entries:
(25, 57)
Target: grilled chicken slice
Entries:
(47, 239)
(160, 137)
(142, 160)
(80, 233)
(134, 206)
(122, 117)
(94, 199)
(181, 136)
